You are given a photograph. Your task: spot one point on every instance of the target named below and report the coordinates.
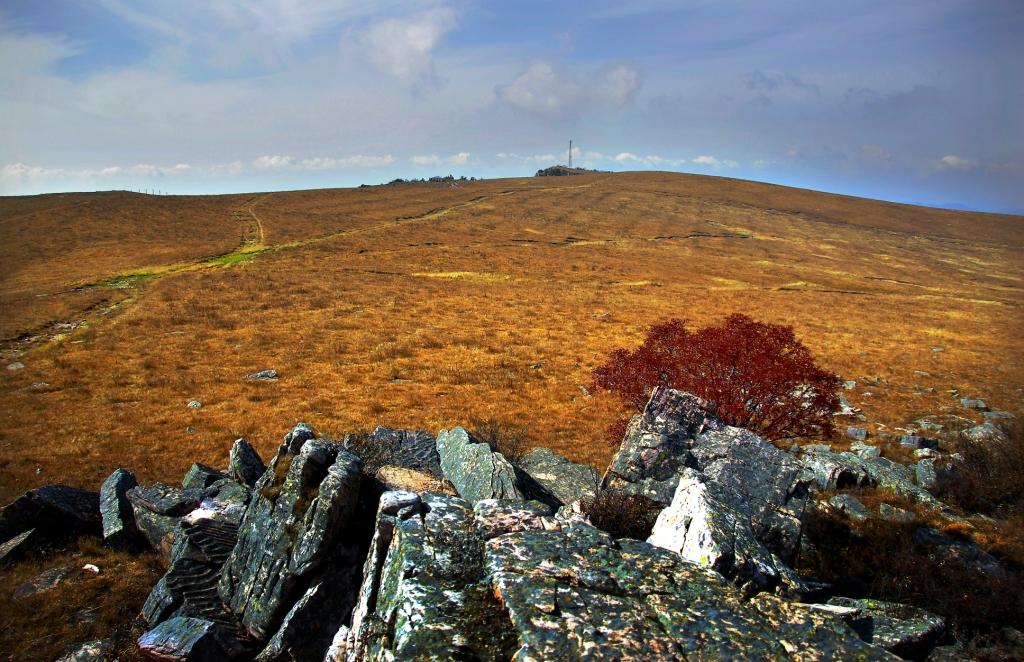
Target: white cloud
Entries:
(954, 162)
(402, 47)
(357, 161)
(20, 173)
(650, 160)
(545, 90)
(714, 162)
(273, 162)
(462, 158)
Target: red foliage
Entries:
(758, 375)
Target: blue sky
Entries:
(914, 101)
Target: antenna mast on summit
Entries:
(570, 152)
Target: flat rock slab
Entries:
(904, 630)
(58, 513)
(98, 650)
(165, 500)
(476, 472)
(46, 581)
(15, 548)
(184, 639)
(200, 476)
(567, 481)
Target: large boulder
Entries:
(299, 509)
(828, 470)
(244, 463)
(119, 529)
(57, 513)
(567, 481)
(157, 509)
(711, 525)
(476, 472)
(503, 580)
(656, 445)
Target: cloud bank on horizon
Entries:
(919, 101)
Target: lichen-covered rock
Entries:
(894, 514)
(200, 476)
(184, 639)
(119, 530)
(58, 513)
(159, 531)
(567, 481)
(161, 604)
(710, 525)
(300, 507)
(475, 471)
(577, 593)
(899, 479)
(833, 471)
(907, 631)
(45, 581)
(926, 475)
(244, 463)
(656, 445)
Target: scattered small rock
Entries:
(973, 403)
(194, 404)
(17, 365)
(850, 506)
(938, 349)
(860, 434)
(894, 514)
(269, 375)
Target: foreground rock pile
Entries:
(402, 545)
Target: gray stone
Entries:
(947, 549)
(119, 529)
(894, 514)
(865, 451)
(904, 630)
(567, 481)
(245, 464)
(187, 639)
(832, 471)
(899, 479)
(926, 475)
(194, 404)
(973, 403)
(17, 365)
(850, 506)
(411, 449)
(845, 408)
(58, 514)
(917, 441)
(159, 531)
(46, 581)
(849, 384)
(475, 471)
(656, 445)
(985, 434)
(161, 603)
(860, 434)
(200, 476)
(924, 453)
(268, 375)
(299, 508)
(997, 415)
(98, 650)
(710, 525)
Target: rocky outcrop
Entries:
(299, 508)
(119, 529)
(157, 509)
(476, 472)
(57, 513)
(828, 470)
(200, 476)
(567, 481)
(445, 579)
(656, 445)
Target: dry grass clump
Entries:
(46, 625)
(988, 480)
(622, 515)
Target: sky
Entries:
(917, 101)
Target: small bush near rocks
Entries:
(510, 440)
(757, 375)
(622, 515)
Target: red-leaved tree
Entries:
(757, 375)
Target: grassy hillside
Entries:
(425, 306)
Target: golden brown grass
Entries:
(425, 307)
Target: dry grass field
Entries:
(426, 306)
